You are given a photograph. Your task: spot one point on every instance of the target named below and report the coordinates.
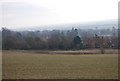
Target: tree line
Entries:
(73, 39)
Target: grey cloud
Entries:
(22, 8)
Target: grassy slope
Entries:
(36, 66)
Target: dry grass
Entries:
(31, 65)
(85, 51)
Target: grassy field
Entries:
(26, 65)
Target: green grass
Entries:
(23, 65)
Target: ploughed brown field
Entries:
(82, 64)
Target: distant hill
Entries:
(87, 25)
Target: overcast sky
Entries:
(25, 13)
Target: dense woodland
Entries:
(73, 39)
